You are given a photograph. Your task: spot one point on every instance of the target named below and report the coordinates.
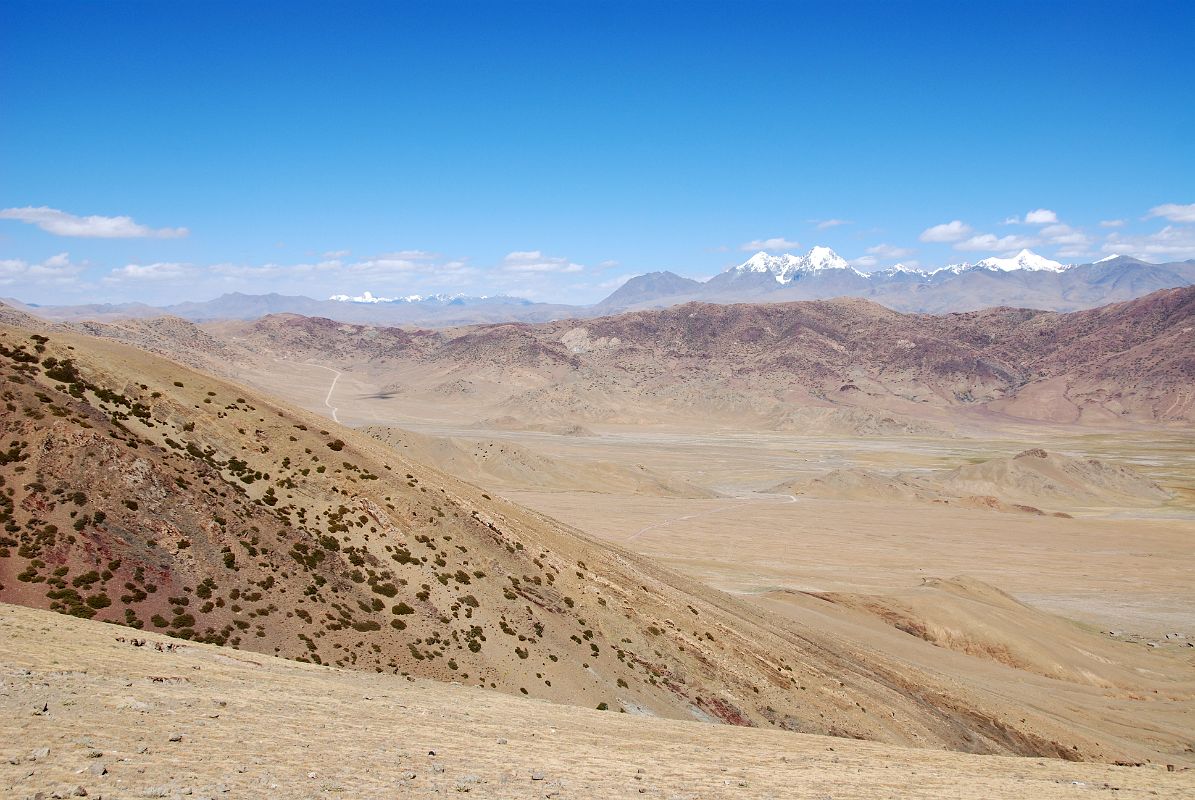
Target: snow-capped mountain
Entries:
(787, 266)
(1026, 279)
(368, 297)
(952, 269)
(900, 269)
(1024, 260)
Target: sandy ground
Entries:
(1135, 576)
(82, 709)
(1131, 571)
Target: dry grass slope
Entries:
(125, 714)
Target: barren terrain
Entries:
(961, 577)
(125, 714)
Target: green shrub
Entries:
(98, 601)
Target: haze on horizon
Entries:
(551, 151)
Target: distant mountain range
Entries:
(1026, 280)
(434, 311)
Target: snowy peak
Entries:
(824, 258)
(901, 269)
(954, 269)
(786, 266)
(763, 262)
(1024, 260)
(369, 297)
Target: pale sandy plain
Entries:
(1127, 571)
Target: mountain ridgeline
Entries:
(774, 366)
(1026, 280)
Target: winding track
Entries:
(332, 388)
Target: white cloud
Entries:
(608, 264)
(385, 265)
(831, 223)
(1174, 212)
(54, 270)
(1111, 223)
(271, 270)
(60, 223)
(771, 245)
(864, 261)
(1069, 242)
(890, 251)
(1075, 242)
(412, 255)
(158, 271)
(946, 232)
(991, 242)
(406, 271)
(337, 254)
(1041, 216)
(1172, 243)
(536, 261)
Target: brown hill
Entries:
(1037, 477)
(141, 492)
(752, 365)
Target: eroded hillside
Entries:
(865, 366)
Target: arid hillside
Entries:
(144, 493)
(119, 713)
(863, 366)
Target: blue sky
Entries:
(169, 151)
